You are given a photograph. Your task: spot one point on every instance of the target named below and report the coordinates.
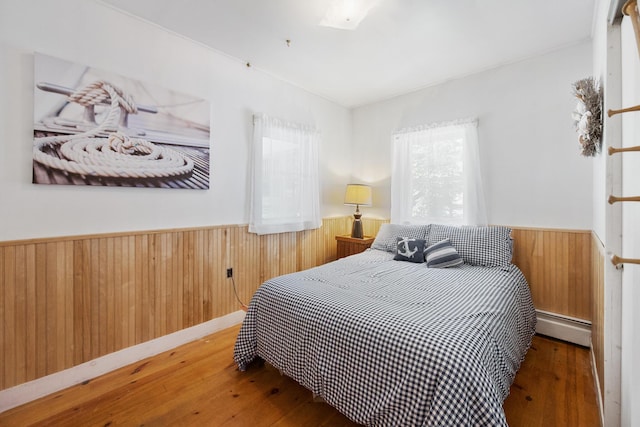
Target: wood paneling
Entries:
(557, 265)
(65, 301)
(597, 324)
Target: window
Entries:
(285, 190)
(436, 175)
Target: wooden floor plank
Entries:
(554, 386)
(198, 384)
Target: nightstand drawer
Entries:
(348, 245)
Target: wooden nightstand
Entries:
(348, 245)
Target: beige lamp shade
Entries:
(358, 195)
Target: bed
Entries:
(392, 342)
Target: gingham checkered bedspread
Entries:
(392, 343)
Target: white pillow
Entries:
(485, 246)
(386, 239)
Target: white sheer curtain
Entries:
(285, 189)
(436, 175)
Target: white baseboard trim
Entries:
(26, 392)
(565, 328)
(596, 379)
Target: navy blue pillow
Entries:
(409, 249)
(442, 255)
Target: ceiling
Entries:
(399, 47)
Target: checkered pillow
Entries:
(486, 246)
(411, 250)
(386, 240)
(442, 255)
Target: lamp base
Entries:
(356, 231)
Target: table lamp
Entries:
(358, 195)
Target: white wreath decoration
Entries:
(587, 118)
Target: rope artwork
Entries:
(117, 155)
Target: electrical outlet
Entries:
(229, 272)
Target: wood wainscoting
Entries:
(597, 324)
(557, 265)
(65, 301)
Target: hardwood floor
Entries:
(554, 387)
(198, 384)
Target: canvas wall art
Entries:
(92, 127)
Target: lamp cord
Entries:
(235, 291)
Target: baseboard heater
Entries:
(577, 331)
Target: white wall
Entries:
(90, 33)
(533, 173)
(600, 72)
